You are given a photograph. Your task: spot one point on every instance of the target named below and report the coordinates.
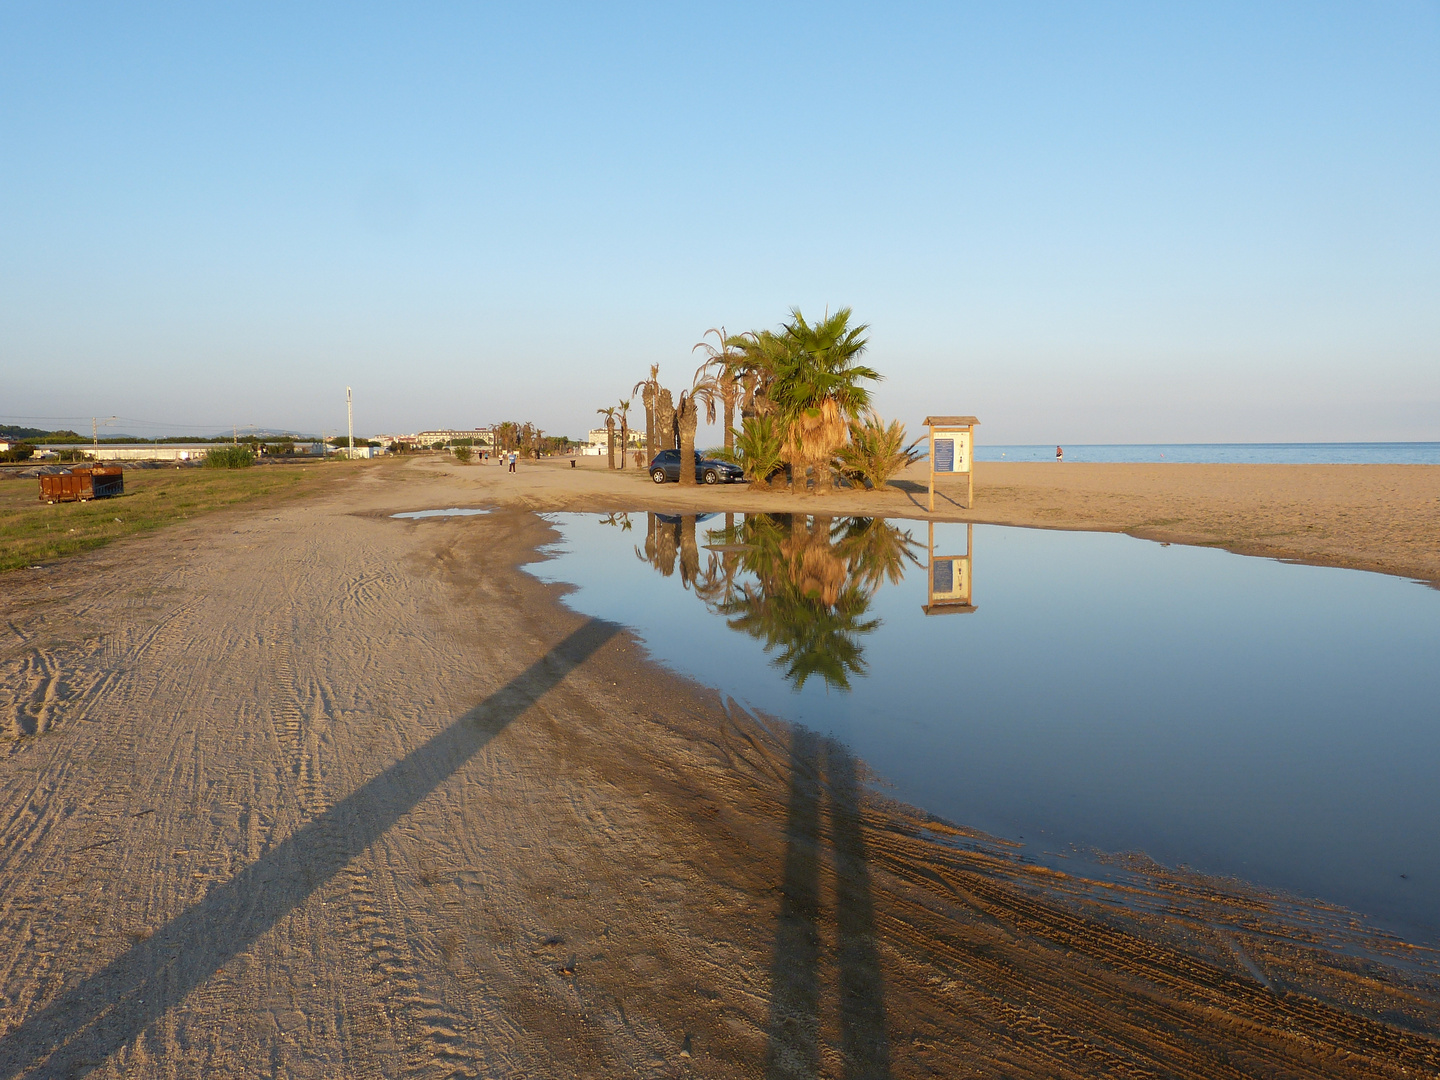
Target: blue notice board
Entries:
(943, 576)
(944, 455)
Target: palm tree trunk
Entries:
(665, 421)
(667, 540)
(610, 439)
(689, 550)
(727, 398)
(650, 550)
(648, 397)
(624, 438)
(824, 477)
(687, 417)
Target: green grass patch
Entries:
(229, 457)
(33, 532)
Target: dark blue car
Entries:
(666, 466)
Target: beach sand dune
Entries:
(308, 791)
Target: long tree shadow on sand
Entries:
(821, 768)
(107, 1010)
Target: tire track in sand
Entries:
(436, 1040)
(298, 744)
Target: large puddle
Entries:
(1080, 691)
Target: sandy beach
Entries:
(303, 790)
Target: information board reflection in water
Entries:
(1243, 717)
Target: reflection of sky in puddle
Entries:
(454, 511)
(1271, 722)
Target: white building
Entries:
(600, 437)
(138, 451)
(478, 436)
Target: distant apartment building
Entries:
(600, 437)
(478, 436)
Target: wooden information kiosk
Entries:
(952, 450)
(948, 589)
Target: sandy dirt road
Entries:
(311, 792)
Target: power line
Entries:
(129, 420)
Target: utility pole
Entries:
(95, 434)
(350, 419)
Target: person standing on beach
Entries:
(512, 460)
(1059, 453)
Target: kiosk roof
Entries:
(951, 421)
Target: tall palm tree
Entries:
(703, 389)
(649, 391)
(609, 414)
(726, 359)
(624, 410)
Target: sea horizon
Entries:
(1249, 453)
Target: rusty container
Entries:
(83, 483)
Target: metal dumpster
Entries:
(83, 483)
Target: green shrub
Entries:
(759, 448)
(876, 451)
(462, 454)
(229, 457)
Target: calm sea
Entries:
(1389, 453)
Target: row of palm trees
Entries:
(525, 438)
(803, 407)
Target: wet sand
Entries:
(308, 791)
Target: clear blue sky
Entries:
(1081, 222)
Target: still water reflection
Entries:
(1275, 723)
(801, 586)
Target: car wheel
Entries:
(711, 476)
(658, 476)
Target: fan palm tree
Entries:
(609, 414)
(727, 361)
(804, 603)
(816, 387)
(760, 353)
(703, 389)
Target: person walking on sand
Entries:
(512, 460)
(1059, 453)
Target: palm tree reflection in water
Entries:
(800, 585)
